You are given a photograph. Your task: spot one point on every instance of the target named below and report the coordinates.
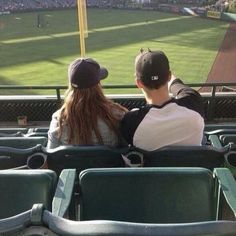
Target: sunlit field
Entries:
(30, 55)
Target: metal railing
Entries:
(212, 86)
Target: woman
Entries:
(87, 117)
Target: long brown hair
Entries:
(80, 113)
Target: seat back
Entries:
(227, 138)
(147, 195)
(16, 157)
(183, 156)
(22, 142)
(13, 130)
(83, 157)
(20, 189)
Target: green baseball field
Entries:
(36, 48)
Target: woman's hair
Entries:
(80, 113)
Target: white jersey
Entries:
(177, 122)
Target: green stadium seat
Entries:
(155, 195)
(215, 141)
(20, 189)
(22, 142)
(63, 157)
(13, 130)
(227, 138)
(17, 157)
(17, 134)
(83, 157)
(180, 156)
(221, 137)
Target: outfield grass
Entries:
(40, 56)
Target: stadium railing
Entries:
(219, 106)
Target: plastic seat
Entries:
(22, 142)
(227, 138)
(179, 156)
(153, 195)
(83, 157)
(13, 130)
(16, 157)
(20, 189)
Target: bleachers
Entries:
(93, 201)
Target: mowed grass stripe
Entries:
(33, 56)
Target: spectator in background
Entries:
(164, 120)
(87, 117)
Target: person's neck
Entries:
(157, 96)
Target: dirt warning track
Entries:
(224, 66)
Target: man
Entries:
(164, 120)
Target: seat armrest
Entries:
(64, 192)
(215, 142)
(227, 185)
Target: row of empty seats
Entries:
(122, 201)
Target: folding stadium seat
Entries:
(178, 156)
(84, 157)
(63, 157)
(22, 142)
(155, 195)
(17, 134)
(20, 189)
(227, 138)
(221, 137)
(39, 131)
(17, 158)
(13, 130)
(212, 127)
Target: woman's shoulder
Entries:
(118, 110)
(56, 115)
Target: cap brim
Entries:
(103, 73)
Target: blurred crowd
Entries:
(19, 5)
